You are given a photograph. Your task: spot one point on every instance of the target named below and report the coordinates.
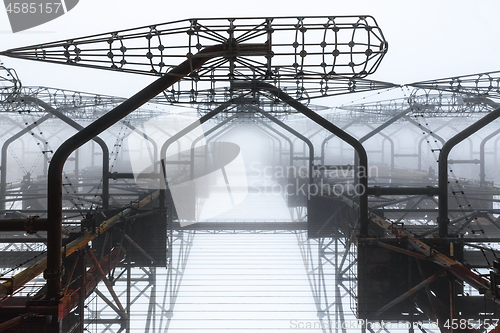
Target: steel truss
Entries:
(330, 267)
(264, 63)
(482, 84)
(308, 57)
(158, 286)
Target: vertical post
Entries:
(129, 293)
(77, 162)
(45, 159)
(82, 294)
(482, 167)
(153, 296)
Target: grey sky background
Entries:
(427, 39)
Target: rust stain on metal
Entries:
(17, 281)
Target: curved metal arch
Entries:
(443, 219)
(3, 163)
(295, 133)
(358, 147)
(96, 139)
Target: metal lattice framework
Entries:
(482, 84)
(8, 78)
(444, 104)
(308, 56)
(16, 98)
(429, 103)
(333, 86)
(387, 107)
(77, 104)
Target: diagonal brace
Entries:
(108, 283)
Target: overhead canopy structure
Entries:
(308, 57)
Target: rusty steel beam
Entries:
(92, 278)
(30, 225)
(407, 294)
(9, 324)
(403, 251)
(454, 267)
(102, 274)
(72, 298)
(10, 286)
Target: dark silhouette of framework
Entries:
(256, 70)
